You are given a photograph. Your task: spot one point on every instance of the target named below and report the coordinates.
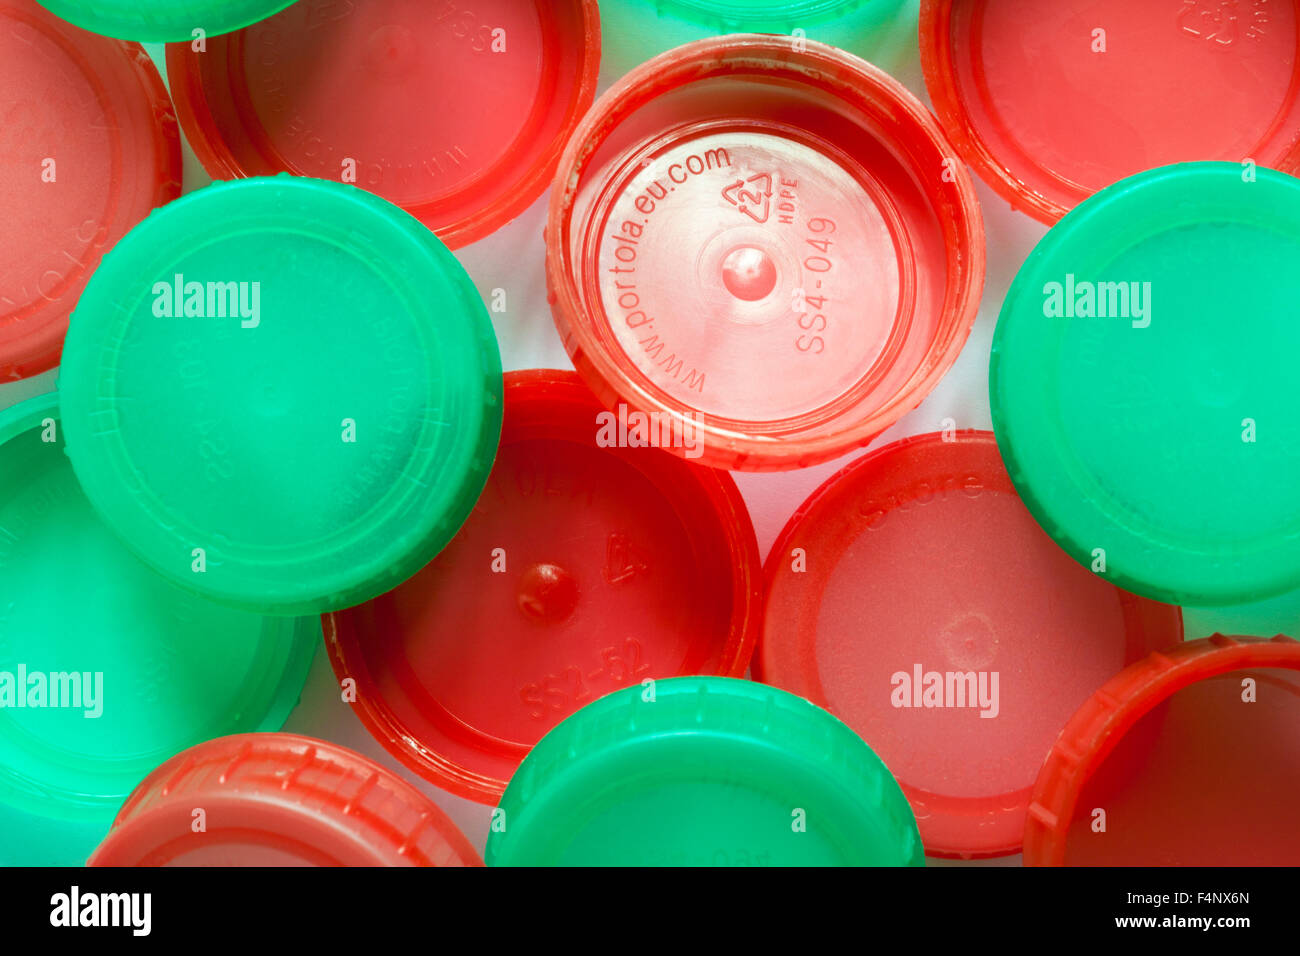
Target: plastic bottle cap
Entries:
(141, 668)
(457, 115)
(757, 14)
(703, 771)
(1188, 758)
(280, 800)
(160, 21)
(582, 569)
(90, 146)
(320, 431)
(1143, 383)
(1052, 101)
(755, 240)
(914, 597)
(1279, 615)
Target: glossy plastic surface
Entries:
(457, 113)
(280, 800)
(756, 14)
(703, 771)
(1051, 102)
(584, 567)
(163, 20)
(750, 235)
(88, 145)
(106, 668)
(283, 393)
(1190, 757)
(1143, 383)
(914, 597)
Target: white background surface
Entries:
(512, 259)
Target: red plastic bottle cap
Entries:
(914, 597)
(279, 800)
(583, 568)
(1188, 758)
(1050, 102)
(456, 114)
(766, 238)
(88, 145)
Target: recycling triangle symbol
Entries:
(752, 196)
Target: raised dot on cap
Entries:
(88, 146)
(914, 597)
(160, 21)
(280, 800)
(1051, 102)
(283, 393)
(1190, 757)
(1143, 386)
(703, 771)
(107, 668)
(586, 565)
(771, 240)
(455, 113)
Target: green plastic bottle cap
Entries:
(106, 668)
(704, 771)
(162, 21)
(1144, 389)
(283, 393)
(757, 13)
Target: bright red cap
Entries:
(583, 568)
(89, 145)
(914, 596)
(1052, 101)
(279, 800)
(768, 238)
(1190, 757)
(455, 113)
